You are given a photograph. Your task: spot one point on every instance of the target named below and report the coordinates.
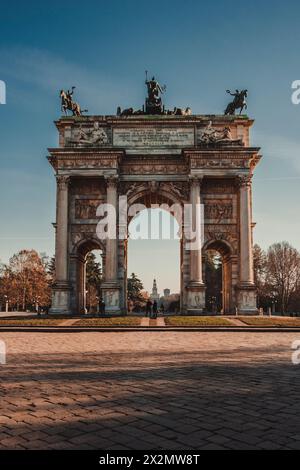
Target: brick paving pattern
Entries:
(149, 390)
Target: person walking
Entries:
(148, 308)
(101, 307)
(154, 309)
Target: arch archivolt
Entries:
(84, 242)
(222, 237)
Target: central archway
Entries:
(160, 228)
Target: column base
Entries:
(247, 299)
(60, 298)
(195, 298)
(111, 296)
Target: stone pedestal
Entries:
(246, 300)
(111, 295)
(195, 298)
(60, 298)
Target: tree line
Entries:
(277, 277)
(25, 281)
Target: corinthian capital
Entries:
(244, 180)
(62, 181)
(112, 181)
(195, 180)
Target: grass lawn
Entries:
(113, 321)
(30, 321)
(196, 321)
(271, 321)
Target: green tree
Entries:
(134, 288)
(93, 279)
(51, 268)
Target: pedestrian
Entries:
(101, 307)
(148, 308)
(154, 309)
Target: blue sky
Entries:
(199, 49)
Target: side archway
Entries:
(219, 297)
(78, 264)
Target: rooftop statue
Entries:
(67, 103)
(239, 102)
(154, 101)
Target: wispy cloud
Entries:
(283, 148)
(49, 73)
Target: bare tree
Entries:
(283, 272)
(25, 281)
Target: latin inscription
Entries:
(153, 137)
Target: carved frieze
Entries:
(153, 168)
(83, 162)
(86, 208)
(218, 210)
(90, 134)
(217, 162)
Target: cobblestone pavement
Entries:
(149, 390)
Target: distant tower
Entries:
(154, 294)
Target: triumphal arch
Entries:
(154, 156)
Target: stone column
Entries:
(246, 258)
(61, 250)
(246, 287)
(196, 288)
(60, 291)
(196, 254)
(111, 285)
(112, 244)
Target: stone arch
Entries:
(147, 197)
(87, 244)
(77, 262)
(163, 196)
(225, 249)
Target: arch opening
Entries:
(218, 277)
(153, 252)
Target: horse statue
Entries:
(239, 102)
(67, 103)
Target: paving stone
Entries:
(149, 390)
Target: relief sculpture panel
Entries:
(86, 208)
